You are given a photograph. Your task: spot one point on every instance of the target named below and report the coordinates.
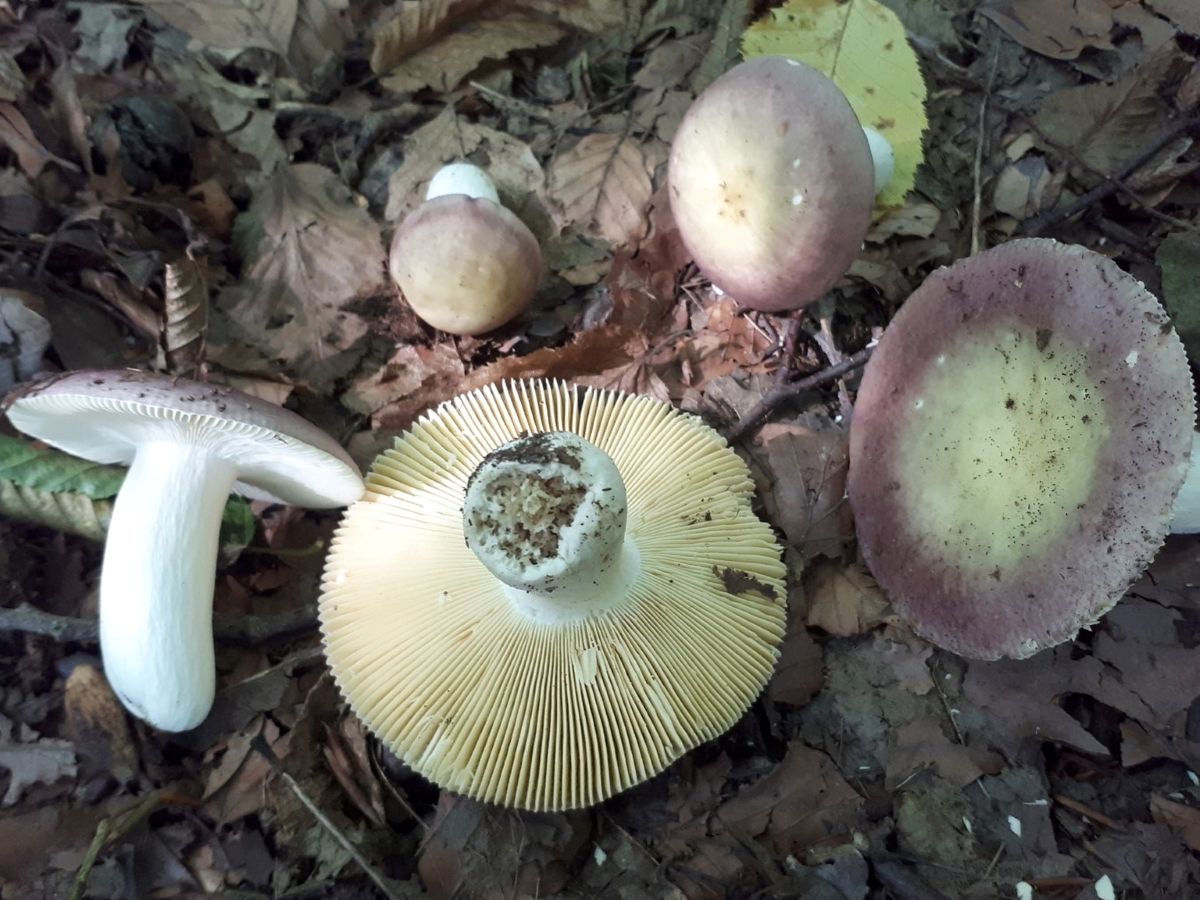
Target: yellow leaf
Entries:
(862, 46)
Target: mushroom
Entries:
(1185, 516)
(548, 594)
(772, 183)
(464, 263)
(187, 445)
(1018, 441)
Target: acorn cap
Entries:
(431, 653)
(772, 183)
(1019, 438)
(465, 265)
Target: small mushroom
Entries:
(772, 183)
(187, 445)
(548, 594)
(465, 264)
(1018, 441)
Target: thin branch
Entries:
(783, 394)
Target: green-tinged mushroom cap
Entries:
(1019, 439)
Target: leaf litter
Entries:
(213, 193)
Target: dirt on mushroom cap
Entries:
(1018, 441)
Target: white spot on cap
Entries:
(1024, 890)
(920, 402)
(792, 62)
(1104, 888)
(941, 360)
(1042, 802)
(1014, 825)
(796, 163)
(1131, 359)
(797, 198)
(1193, 778)
(967, 825)
(599, 855)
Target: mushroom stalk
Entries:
(1185, 518)
(546, 515)
(462, 178)
(156, 586)
(883, 158)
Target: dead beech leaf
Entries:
(1184, 13)
(509, 162)
(1183, 820)
(96, 723)
(185, 316)
(593, 352)
(923, 743)
(437, 43)
(1106, 125)
(309, 251)
(596, 16)
(18, 136)
(42, 762)
(415, 379)
(723, 51)
(232, 24)
(603, 184)
(806, 496)
(843, 601)
(1060, 29)
(323, 29)
(800, 672)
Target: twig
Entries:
(782, 394)
(980, 139)
(229, 629)
(1087, 812)
(260, 746)
(1111, 185)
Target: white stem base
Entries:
(883, 156)
(462, 178)
(1186, 514)
(156, 587)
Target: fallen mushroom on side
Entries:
(548, 594)
(465, 263)
(187, 445)
(772, 183)
(1017, 445)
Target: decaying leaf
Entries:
(437, 43)
(843, 601)
(1107, 125)
(723, 48)
(185, 316)
(1060, 29)
(24, 336)
(603, 184)
(41, 762)
(232, 24)
(863, 47)
(1184, 13)
(96, 723)
(309, 252)
(1183, 820)
(799, 673)
(18, 136)
(923, 743)
(415, 379)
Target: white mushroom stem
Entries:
(1185, 517)
(462, 178)
(883, 157)
(546, 515)
(156, 587)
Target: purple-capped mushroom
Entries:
(1018, 442)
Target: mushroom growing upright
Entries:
(465, 263)
(1020, 436)
(548, 594)
(772, 182)
(187, 445)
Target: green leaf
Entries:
(1179, 259)
(48, 487)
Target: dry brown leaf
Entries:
(806, 493)
(509, 162)
(309, 251)
(415, 379)
(800, 672)
(1060, 29)
(1183, 820)
(323, 29)
(642, 281)
(724, 49)
(68, 110)
(96, 723)
(597, 16)
(18, 136)
(437, 43)
(603, 184)
(802, 802)
(843, 601)
(923, 743)
(1107, 125)
(232, 24)
(1184, 13)
(42, 762)
(593, 352)
(185, 316)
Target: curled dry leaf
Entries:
(185, 316)
(309, 252)
(232, 24)
(843, 601)
(96, 723)
(602, 184)
(1060, 29)
(437, 43)
(18, 136)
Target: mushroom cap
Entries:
(465, 265)
(103, 415)
(1017, 443)
(434, 657)
(772, 183)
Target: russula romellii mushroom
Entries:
(1019, 439)
(187, 445)
(464, 262)
(548, 594)
(771, 183)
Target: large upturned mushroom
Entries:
(772, 183)
(1020, 436)
(187, 446)
(548, 594)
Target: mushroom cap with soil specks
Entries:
(644, 620)
(465, 265)
(772, 183)
(1017, 444)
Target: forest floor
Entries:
(237, 173)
